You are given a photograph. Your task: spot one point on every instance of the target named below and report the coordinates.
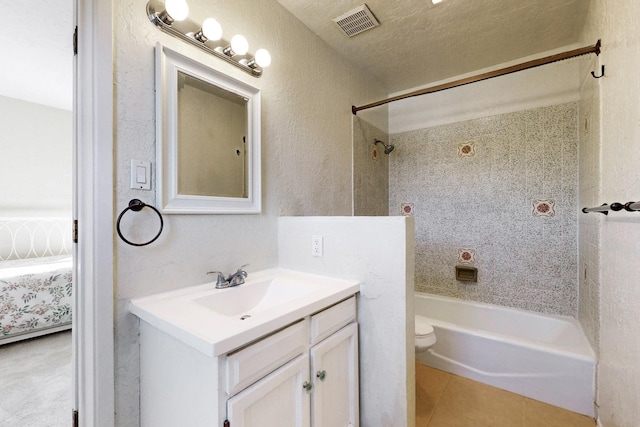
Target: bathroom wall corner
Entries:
(370, 170)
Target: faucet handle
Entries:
(238, 277)
(241, 272)
(220, 282)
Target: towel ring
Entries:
(136, 205)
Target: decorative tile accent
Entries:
(467, 149)
(374, 153)
(467, 256)
(406, 209)
(543, 207)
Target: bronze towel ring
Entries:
(136, 205)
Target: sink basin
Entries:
(250, 298)
(217, 321)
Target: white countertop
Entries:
(187, 314)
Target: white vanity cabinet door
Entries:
(334, 369)
(279, 399)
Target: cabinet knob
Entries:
(307, 386)
(321, 374)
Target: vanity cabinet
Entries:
(301, 375)
(319, 387)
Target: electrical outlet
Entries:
(316, 245)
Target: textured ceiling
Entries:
(36, 50)
(418, 43)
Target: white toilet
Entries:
(425, 337)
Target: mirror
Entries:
(208, 139)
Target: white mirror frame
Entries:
(168, 64)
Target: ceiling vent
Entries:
(356, 21)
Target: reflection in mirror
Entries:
(212, 129)
(208, 139)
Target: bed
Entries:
(36, 277)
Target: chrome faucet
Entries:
(235, 279)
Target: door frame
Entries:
(93, 317)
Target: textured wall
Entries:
(306, 157)
(616, 23)
(379, 253)
(370, 170)
(497, 193)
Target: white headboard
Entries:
(34, 237)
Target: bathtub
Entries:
(546, 358)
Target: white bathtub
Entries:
(546, 358)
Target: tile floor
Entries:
(447, 400)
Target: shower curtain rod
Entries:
(485, 76)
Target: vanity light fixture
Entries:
(172, 18)
(262, 58)
(239, 46)
(174, 10)
(210, 30)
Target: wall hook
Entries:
(601, 72)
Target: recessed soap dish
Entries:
(465, 273)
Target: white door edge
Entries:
(93, 320)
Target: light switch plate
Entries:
(140, 175)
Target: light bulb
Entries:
(178, 10)
(239, 45)
(263, 57)
(212, 29)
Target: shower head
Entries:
(387, 148)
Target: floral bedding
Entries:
(35, 294)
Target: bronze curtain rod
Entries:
(485, 76)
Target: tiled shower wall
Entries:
(499, 194)
(370, 170)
